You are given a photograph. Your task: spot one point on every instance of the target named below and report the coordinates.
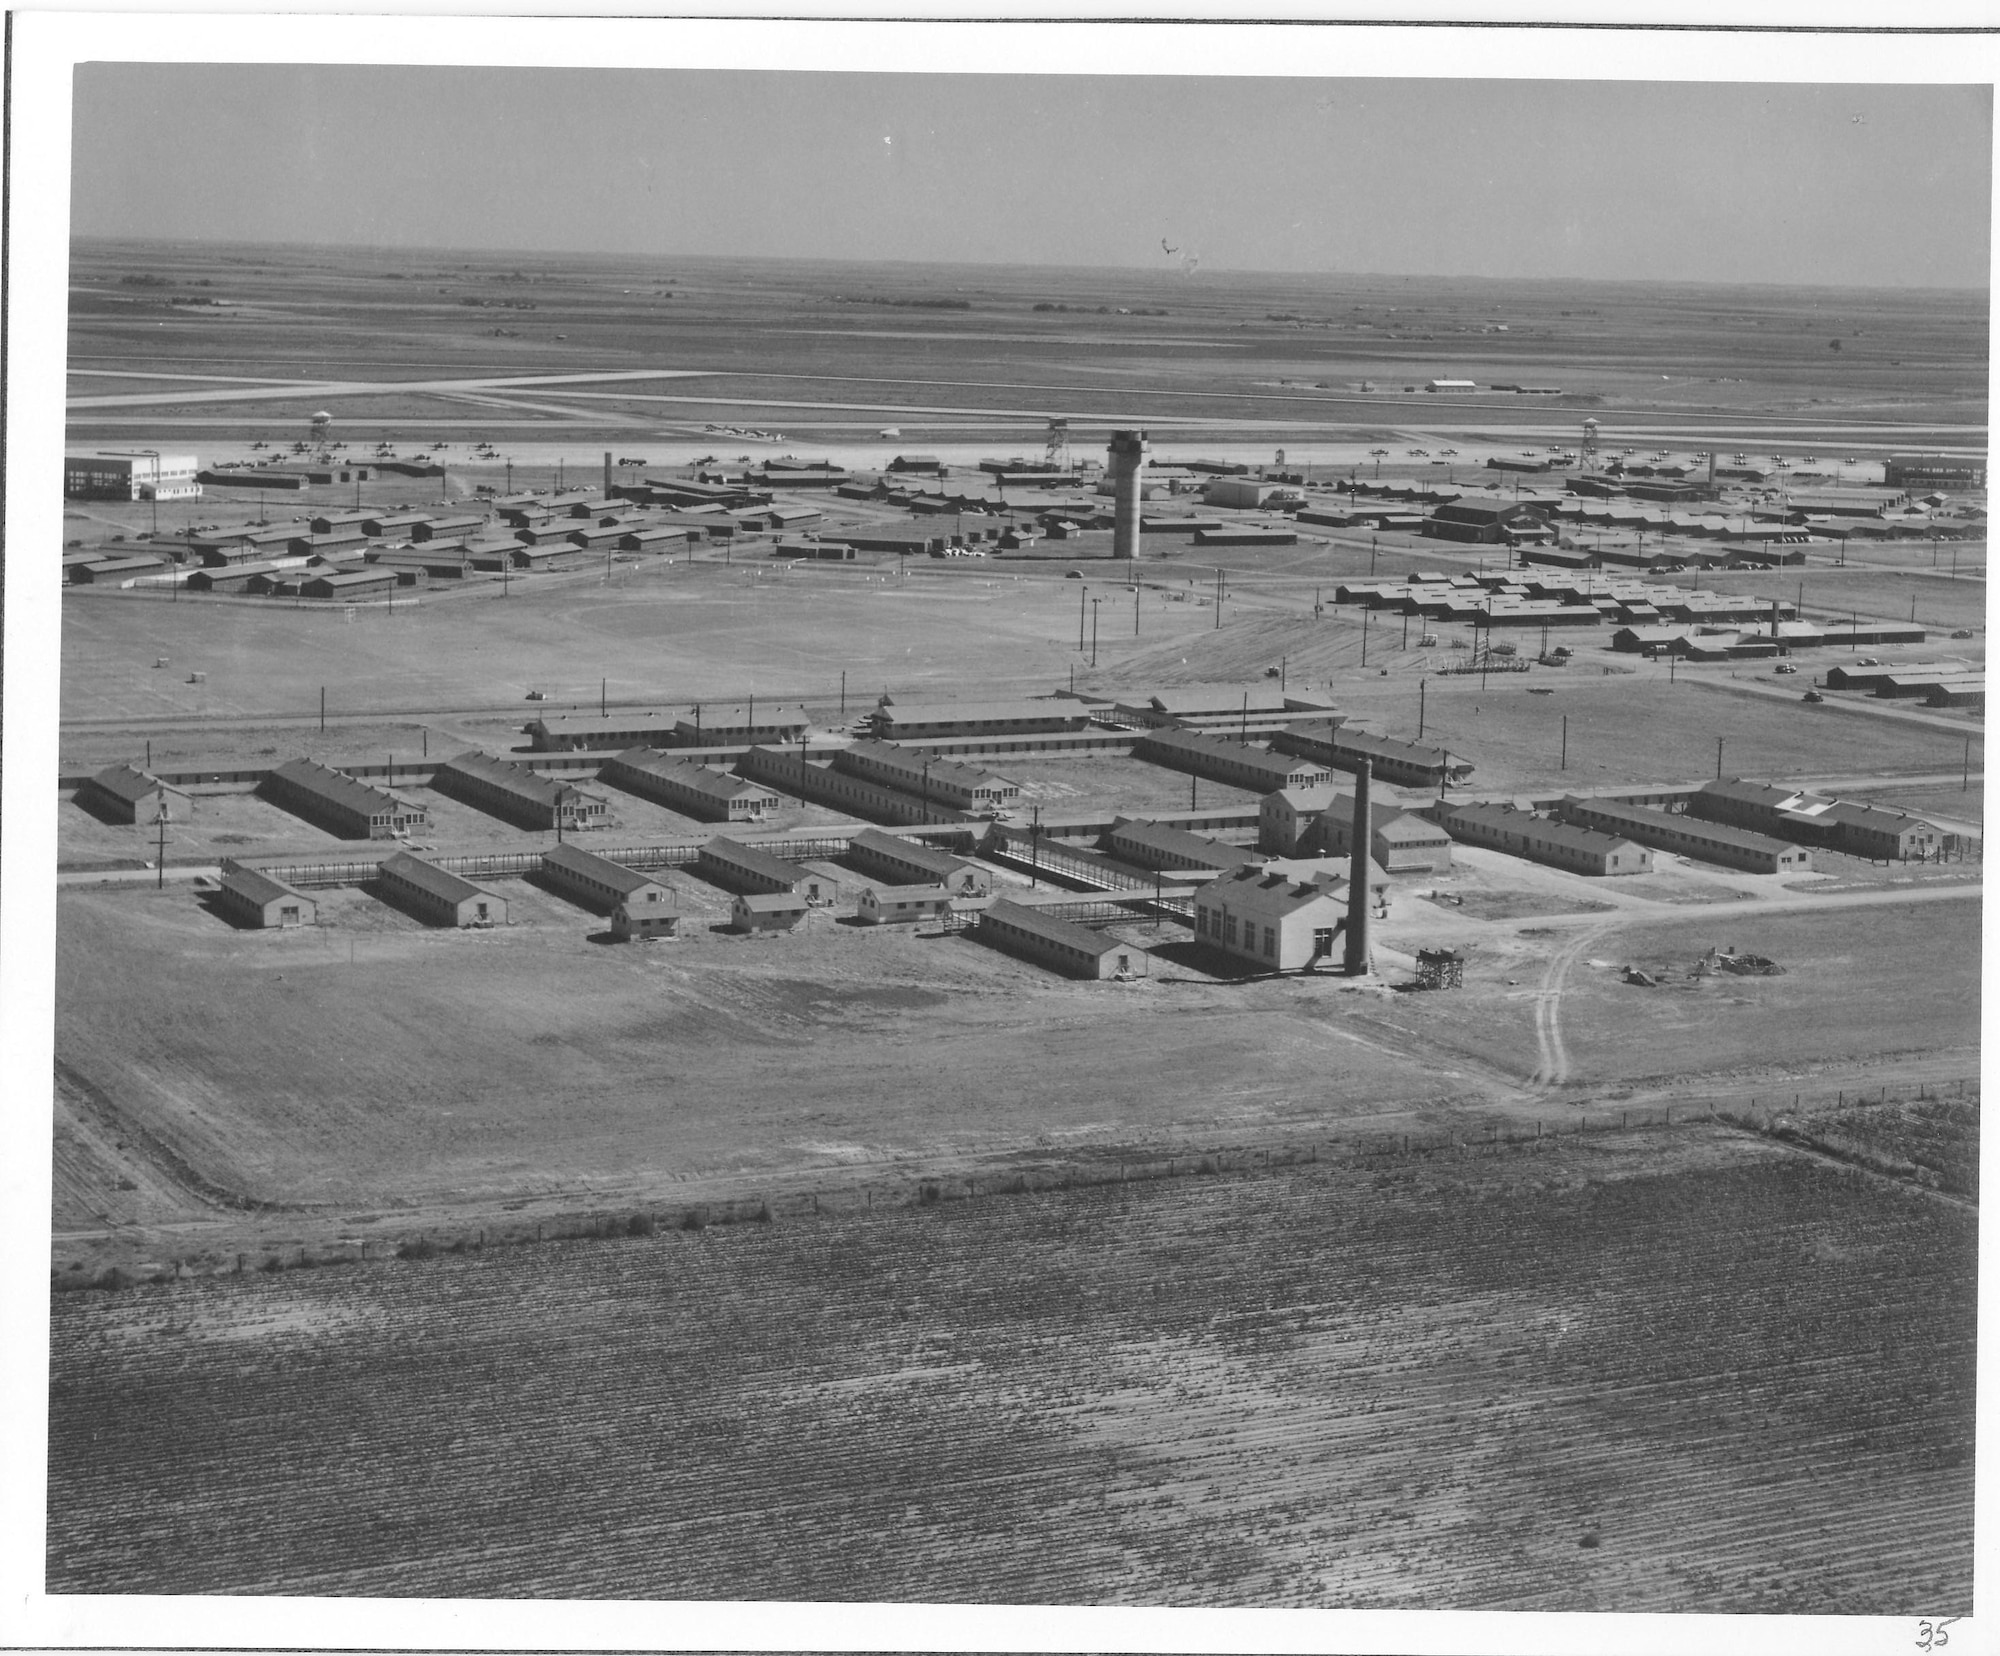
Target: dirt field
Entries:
(1833, 1006)
(1569, 1380)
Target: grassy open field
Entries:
(1680, 1371)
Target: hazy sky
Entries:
(1872, 184)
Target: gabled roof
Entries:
(1051, 930)
(129, 783)
(338, 787)
(616, 875)
(431, 878)
(1158, 838)
(691, 774)
(766, 902)
(257, 886)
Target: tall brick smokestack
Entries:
(607, 471)
(1358, 962)
(1127, 462)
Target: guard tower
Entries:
(1055, 451)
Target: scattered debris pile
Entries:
(1440, 969)
(1741, 965)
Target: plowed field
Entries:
(1665, 1372)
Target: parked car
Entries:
(1784, 667)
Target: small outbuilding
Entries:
(252, 898)
(902, 905)
(127, 794)
(767, 911)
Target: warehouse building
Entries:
(741, 726)
(1236, 763)
(744, 868)
(338, 803)
(1341, 747)
(1932, 471)
(236, 577)
(1063, 946)
(1270, 919)
(601, 884)
(1212, 705)
(252, 898)
(447, 528)
(903, 861)
(902, 905)
(1401, 841)
(903, 722)
(1487, 523)
(690, 788)
(1688, 835)
(116, 571)
(130, 474)
(1544, 840)
(1250, 492)
(1147, 844)
(362, 583)
(567, 733)
(436, 897)
(944, 781)
(519, 795)
(124, 793)
(767, 911)
(391, 525)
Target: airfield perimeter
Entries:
(349, 1088)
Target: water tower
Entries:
(318, 431)
(1127, 462)
(1587, 455)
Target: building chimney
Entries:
(1774, 620)
(1358, 962)
(1127, 461)
(607, 471)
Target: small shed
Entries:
(767, 911)
(902, 905)
(253, 898)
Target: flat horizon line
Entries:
(81, 238)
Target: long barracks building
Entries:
(1689, 835)
(1544, 840)
(945, 780)
(690, 788)
(745, 869)
(601, 884)
(1409, 764)
(907, 862)
(340, 804)
(1062, 945)
(518, 794)
(1238, 764)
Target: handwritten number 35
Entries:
(1931, 1635)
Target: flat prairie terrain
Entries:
(1572, 1376)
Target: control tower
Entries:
(1127, 463)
